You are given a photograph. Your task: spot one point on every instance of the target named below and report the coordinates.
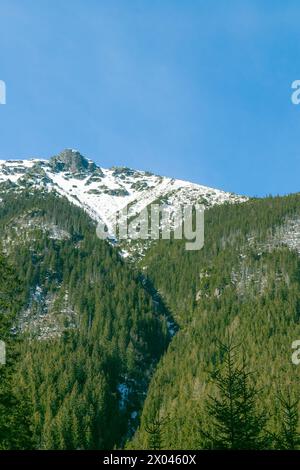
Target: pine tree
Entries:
(289, 435)
(235, 421)
(155, 430)
(15, 419)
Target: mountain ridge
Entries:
(103, 192)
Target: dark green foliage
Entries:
(244, 282)
(15, 411)
(154, 428)
(289, 435)
(234, 420)
(81, 387)
(75, 379)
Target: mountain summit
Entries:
(71, 160)
(102, 192)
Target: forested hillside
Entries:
(85, 333)
(243, 285)
(105, 353)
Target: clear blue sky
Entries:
(194, 89)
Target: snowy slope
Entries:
(102, 192)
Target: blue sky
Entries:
(198, 90)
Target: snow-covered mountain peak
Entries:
(72, 160)
(102, 192)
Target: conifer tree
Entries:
(15, 432)
(235, 421)
(155, 430)
(289, 435)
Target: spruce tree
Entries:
(15, 419)
(235, 421)
(154, 428)
(289, 435)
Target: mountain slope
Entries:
(87, 332)
(93, 331)
(102, 192)
(245, 282)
